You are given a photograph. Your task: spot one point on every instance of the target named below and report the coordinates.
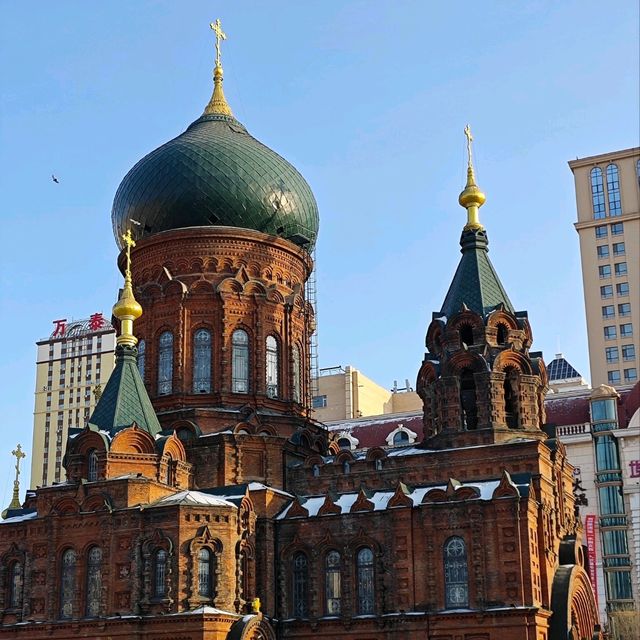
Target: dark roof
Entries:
(560, 369)
(216, 173)
(124, 399)
(563, 409)
(475, 283)
(373, 431)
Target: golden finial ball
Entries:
(472, 196)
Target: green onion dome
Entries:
(216, 173)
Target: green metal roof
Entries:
(475, 283)
(216, 173)
(124, 399)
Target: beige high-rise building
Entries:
(346, 393)
(608, 204)
(73, 365)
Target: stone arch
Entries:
(174, 288)
(464, 360)
(88, 439)
(229, 285)
(100, 502)
(133, 440)
(196, 265)
(254, 287)
(65, 506)
(573, 604)
(244, 428)
(273, 295)
(173, 447)
(202, 286)
(435, 336)
(151, 291)
(375, 453)
(427, 375)
(463, 320)
(344, 456)
(509, 358)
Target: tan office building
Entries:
(608, 204)
(72, 365)
(346, 393)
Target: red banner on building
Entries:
(590, 528)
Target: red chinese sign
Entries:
(96, 321)
(634, 465)
(590, 527)
(60, 328)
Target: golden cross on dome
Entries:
(130, 242)
(220, 35)
(467, 133)
(18, 454)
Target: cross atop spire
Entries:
(220, 35)
(218, 103)
(15, 499)
(127, 309)
(471, 197)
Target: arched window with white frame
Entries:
(165, 363)
(202, 361)
(272, 366)
(240, 361)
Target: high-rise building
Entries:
(73, 364)
(608, 204)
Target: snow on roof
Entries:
(21, 518)
(258, 486)
(193, 498)
(380, 499)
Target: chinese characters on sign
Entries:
(634, 466)
(60, 328)
(64, 329)
(590, 529)
(96, 321)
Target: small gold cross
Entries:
(467, 133)
(220, 35)
(130, 242)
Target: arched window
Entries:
(613, 190)
(67, 583)
(169, 476)
(503, 333)
(15, 585)
(92, 465)
(468, 400)
(332, 587)
(202, 361)
(142, 347)
(240, 361)
(300, 586)
(597, 193)
(344, 443)
(346, 467)
(378, 464)
(273, 365)
(402, 437)
(364, 567)
(456, 582)
(94, 582)
(316, 470)
(204, 573)
(297, 374)
(165, 363)
(159, 573)
(511, 397)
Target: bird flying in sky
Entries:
(55, 179)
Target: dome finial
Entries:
(127, 309)
(471, 197)
(218, 103)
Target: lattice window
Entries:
(456, 579)
(366, 590)
(273, 365)
(165, 363)
(204, 573)
(92, 465)
(597, 193)
(202, 361)
(613, 190)
(332, 584)
(160, 573)
(94, 582)
(300, 585)
(67, 583)
(240, 361)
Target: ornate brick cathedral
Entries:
(202, 501)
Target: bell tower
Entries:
(479, 382)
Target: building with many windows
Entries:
(201, 498)
(608, 204)
(73, 365)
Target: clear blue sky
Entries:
(367, 99)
